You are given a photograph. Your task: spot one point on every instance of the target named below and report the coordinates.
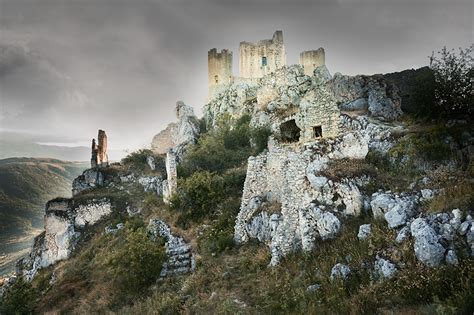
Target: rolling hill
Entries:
(25, 186)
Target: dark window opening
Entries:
(290, 131)
(317, 131)
(264, 61)
(216, 78)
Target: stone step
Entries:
(178, 263)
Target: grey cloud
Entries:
(75, 66)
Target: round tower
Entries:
(219, 69)
(312, 59)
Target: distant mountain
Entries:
(16, 144)
(25, 186)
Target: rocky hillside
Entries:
(25, 186)
(296, 194)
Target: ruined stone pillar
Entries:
(102, 157)
(94, 154)
(171, 184)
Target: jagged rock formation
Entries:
(63, 223)
(372, 93)
(90, 179)
(178, 135)
(311, 204)
(99, 157)
(235, 99)
(179, 256)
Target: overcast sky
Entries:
(70, 67)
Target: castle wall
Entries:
(312, 59)
(219, 69)
(261, 58)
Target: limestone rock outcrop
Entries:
(90, 179)
(63, 223)
(180, 258)
(177, 135)
(373, 93)
(397, 210)
(311, 204)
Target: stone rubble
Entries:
(364, 231)
(384, 268)
(340, 271)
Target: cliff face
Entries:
(64, 221)
(177, 135)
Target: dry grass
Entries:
(460, 195)
(348, 168)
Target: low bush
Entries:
(137, 162)
(136, 262)
(226, 146)
(20, 298)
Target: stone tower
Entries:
(99, 155)
(219, 69)
(312, 59)
(261, 58)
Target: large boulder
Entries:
(397, 210)
(428, 249)
(384, 268)
(340, 271)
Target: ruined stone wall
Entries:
(219, 69)
(312, 59)
(263, 57)
(102, 157)
(99, 155)
(311, 204)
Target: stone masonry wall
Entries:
(219, 69)
(263, 57)
(312, 59)
(311, 204)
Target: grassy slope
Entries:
(25, 186)
(229, 277)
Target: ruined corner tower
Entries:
(219, 69)
(99, 157)
(312, 59)
(259, 59)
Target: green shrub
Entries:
(137, 161)
(454, 82)
(220, 236)
(226, 146)
(136, 263)
(198, 196)
(20, 298)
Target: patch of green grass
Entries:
(20, 298)
(107, 272)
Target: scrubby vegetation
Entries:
(137, 162)
(119, 272)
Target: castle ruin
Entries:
(255, 61)
(99, 157)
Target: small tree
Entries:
(454, 80)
